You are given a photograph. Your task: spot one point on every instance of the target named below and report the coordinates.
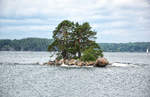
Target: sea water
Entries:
(21, 75)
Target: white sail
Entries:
(147, 51)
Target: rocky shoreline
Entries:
(100, 62)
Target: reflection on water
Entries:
(50, 81)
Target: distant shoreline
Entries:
(49, 52)
(41, 44)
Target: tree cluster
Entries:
(72, 40)
(27, 44)
(125, 47)
(41, 44)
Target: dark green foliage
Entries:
(62, 39)
(28, 44)
(88, 57)
(71, 39)
(91, 54)
(125, 47)
(59, 57)
(41, 44)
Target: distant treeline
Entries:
(125, 47)
(41, 44)
(27, 44)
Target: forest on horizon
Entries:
(41, 44)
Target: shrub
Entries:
(91, 54)
(88, 57)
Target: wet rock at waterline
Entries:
(100, 62)
(91, 63)
(72, 62)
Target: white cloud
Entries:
(24, 28)
(65, 7)
(117, 17)
(23, 21)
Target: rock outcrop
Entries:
(80, 63)
(72, 62)
(91, 63)
(101, 62)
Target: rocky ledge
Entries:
(100, 62)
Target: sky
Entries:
(115, 21)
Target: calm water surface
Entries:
(21, 76)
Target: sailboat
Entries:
(147, 51)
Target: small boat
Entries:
(147, 51)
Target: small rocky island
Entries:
(100, 62)
(75, 44)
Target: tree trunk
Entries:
(64, 55)
(79, 54)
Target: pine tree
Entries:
(71, 39)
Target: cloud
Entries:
(23, 28)
(63, 7)
(26, 31)
(107, 17)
